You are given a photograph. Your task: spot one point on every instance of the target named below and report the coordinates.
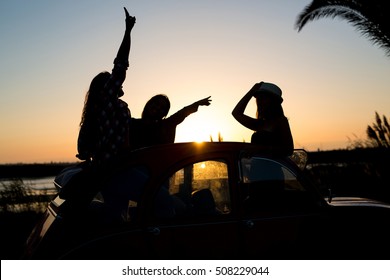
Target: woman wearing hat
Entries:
(271, 125)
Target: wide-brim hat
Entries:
(271, 89)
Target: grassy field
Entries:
(20, 209)
(20, 206)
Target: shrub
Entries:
(17, 197)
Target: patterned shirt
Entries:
(112, 129)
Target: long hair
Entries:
(156, 99)
(92, 98)
(88, 135)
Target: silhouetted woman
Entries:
(271, 126)
(154, 128)
(104, 130)
(104, 135)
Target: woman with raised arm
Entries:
(104, 136)
(270, 125)
(104, 129)
(154, 128)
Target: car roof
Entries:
(170, 153)
(161, 160)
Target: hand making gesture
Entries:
(130, 21)
(204, 102)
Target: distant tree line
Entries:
(33, 170)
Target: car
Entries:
(222, 200)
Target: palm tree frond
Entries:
(370, 17)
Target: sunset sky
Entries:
(333, 79)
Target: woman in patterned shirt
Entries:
(104, 136)
(104, 131)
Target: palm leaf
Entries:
(370, 17)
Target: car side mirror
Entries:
(330, 196)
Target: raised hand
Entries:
(255, 89)
(204, 102)
(130, 21)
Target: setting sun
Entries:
(333, 80)
(197, 128)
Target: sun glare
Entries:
(196, 130)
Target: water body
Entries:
(43, 183)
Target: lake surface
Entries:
(43, 183)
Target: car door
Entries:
(194, 216)
(280, 216)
